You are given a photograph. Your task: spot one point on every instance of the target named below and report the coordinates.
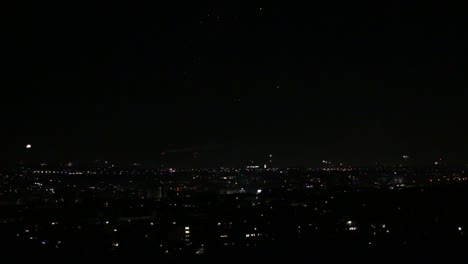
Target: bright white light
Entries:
(28, 146)
(349, 222)
(187, 232)
(247, 235)
(459, 228)
(187, 227)
(259, 191)
(115, 230)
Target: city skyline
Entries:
(230, 132)
(190, 158)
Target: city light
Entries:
(242, 188)
(154, 128)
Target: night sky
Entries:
(350, 82)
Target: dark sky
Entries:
(352, 82)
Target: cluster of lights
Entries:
(337, 169)
(253, 235)
(187, 234)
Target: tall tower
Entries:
(406, 159)
(195, 156)
(27, 158)
(163, 160)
